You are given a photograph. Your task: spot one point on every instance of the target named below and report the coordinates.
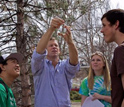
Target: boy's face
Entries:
(12, 68)
(108, 31)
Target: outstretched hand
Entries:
(56, 23)
(67, 35)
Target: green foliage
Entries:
(74, 95)
(83, 9)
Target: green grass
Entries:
(76, 100)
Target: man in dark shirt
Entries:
(113, 31)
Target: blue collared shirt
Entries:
(52, 85)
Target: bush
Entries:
(74, 95)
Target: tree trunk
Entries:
(21, 47)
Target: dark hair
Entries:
(3, 63)
(113, 15)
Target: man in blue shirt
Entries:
(52, 76)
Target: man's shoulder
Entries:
(2, 88)
(38, 55)
(119, 48)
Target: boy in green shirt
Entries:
(9, 71)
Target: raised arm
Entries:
(73, 54)
(55, 23)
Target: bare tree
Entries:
(87, 34)
(23, 22)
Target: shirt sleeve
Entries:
(3, 96)
(71, 70)
(37, 62)
(84, 90)
(119, 59)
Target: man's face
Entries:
(53, 48)
(12, 68)
(108, 31)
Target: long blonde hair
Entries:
(106, 72)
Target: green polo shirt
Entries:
(4, 101)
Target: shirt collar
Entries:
(48, 61)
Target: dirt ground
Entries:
(75, 104)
